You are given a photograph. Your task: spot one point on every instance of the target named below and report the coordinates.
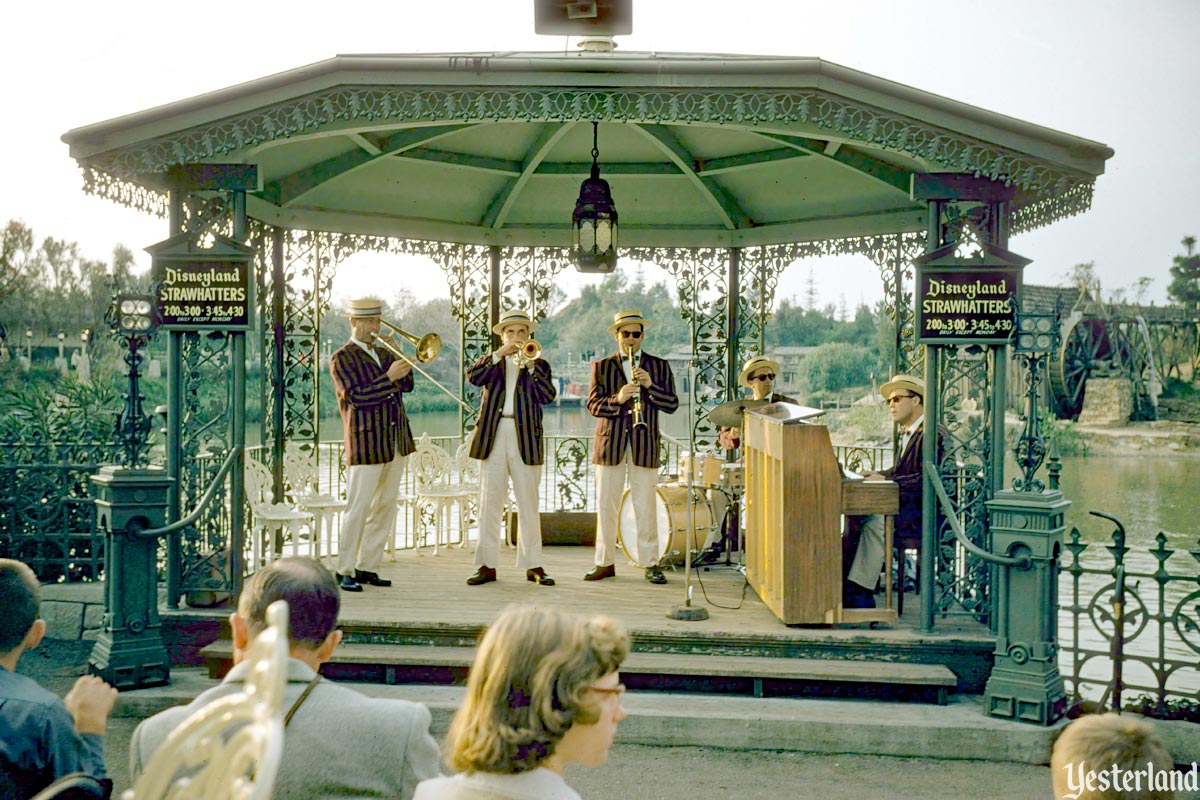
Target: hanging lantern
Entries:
(594, 221)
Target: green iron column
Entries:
(1025, 684)
(130, 651)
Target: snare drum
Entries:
(705, 469)
(671, 511)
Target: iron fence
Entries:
(47, 514)
(1129, 620)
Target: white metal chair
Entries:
(441, 487)
(304, 487)
(229, 749)
(270, 518)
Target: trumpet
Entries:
(638, 421)
(427, 349)
(527, 352)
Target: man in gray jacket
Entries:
(337, 743)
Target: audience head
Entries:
(20, 597)
(1095, 744)
(311, 593)
(543, 691)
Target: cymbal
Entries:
(729, 413)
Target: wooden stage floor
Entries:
(431, 591)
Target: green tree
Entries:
(838, 365)
(16, 248)
(1185, 276)
(1083, 277)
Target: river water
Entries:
(1149, 494)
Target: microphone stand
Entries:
(687, 612)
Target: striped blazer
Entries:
(534, 390)
(614, 420)
(373, 418)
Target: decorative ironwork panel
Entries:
(702, 275)
(205, 419)
(47, 514)
(307, 278)
(470, 275)
(965, 378)
(205, 364)
(571, 474)
(1155, 639)
(527, 275)
(759, 276)
(894, 258)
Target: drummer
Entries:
(758, 376)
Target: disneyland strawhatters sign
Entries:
(204, 294)
(956, 305)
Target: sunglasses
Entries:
(632, 334)
(896, 398)
(769, 376)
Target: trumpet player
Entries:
(370, 383)
(508, 440)
(629, 389)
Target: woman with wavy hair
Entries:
(543, 692)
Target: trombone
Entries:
(427, 349)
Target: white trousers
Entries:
(610, 485)
(370, 516)
(868, 559)
(504, 463)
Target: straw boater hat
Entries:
(912, 383)
(628, 317)
(511, 316)
(365, 307)
(754, 365)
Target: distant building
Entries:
(789, 359)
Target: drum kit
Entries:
(686, 516)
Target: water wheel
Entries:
(1085, 346)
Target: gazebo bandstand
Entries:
(726, 169)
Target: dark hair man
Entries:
(42, 738)
(339, 743)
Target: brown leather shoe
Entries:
(600, 573)
(481, 576)
(371, 578)
(539, 576)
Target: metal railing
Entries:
(1129, 620)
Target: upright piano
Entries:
(795, 495)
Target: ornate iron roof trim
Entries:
(1059, 192)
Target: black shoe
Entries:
(600, 573)
(348, 584)
(539, 576)
(855, 596)
(655, 575)
(482, 575)
(370, 578)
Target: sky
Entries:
(1122, 73)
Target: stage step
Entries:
(761, 676)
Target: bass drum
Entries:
(671, 511)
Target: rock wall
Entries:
(1106, 401)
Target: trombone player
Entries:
(628, 390)
(508, 440)
(370, 383)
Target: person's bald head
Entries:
(310, 591)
